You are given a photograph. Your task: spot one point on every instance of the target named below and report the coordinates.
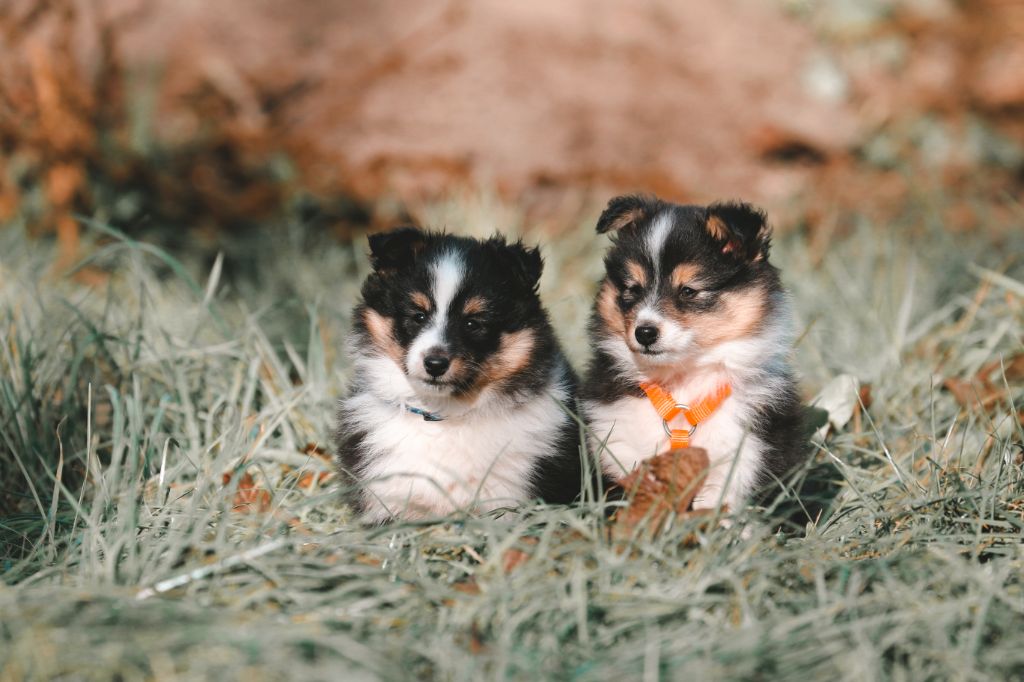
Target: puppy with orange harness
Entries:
(692, 335)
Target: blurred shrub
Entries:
(76, 133)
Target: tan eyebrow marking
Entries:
(421, 299)
(685, 274)
(637, 272)
(476, 304)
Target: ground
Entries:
(168, 510)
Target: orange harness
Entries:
(667, 408)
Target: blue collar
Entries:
(427, 416)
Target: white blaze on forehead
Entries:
(660, 229)
(448, 272)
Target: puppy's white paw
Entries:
(707, 498)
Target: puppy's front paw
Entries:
(708, 497)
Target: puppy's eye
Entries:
(687, 292)
(633, 291)
(472, 325)
(419, 317)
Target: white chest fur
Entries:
(633, 432)
(479, 461)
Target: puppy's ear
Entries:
(527, 264)
(740, 228)
(625, 211)
(396, 249)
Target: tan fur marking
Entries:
(685, 274)
(512, 356)
(763, 234)
(456, 368)
(477, 304)
(626, 219)
(608, 308)
(382, 333)
(636, 272)
(739, 315)
(421, 299)
(716, 228)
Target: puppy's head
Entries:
(455, 314)
(681, 280)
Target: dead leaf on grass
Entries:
(660, 487)
(840, 398)
(987, 388)
(514, 557)
(249, 497)
(311, 479)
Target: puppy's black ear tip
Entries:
(531, 263)
(742, 227)
(738, 210)
(396, 247)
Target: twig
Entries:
(205, 571)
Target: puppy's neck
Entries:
(380, 377)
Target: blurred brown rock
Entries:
(221, 114)
(409, 99)
(1000, 81)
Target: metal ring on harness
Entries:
(668, 429)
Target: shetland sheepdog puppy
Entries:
(461, 398)
(692, 336)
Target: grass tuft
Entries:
(167, 507)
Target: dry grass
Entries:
(162, 514)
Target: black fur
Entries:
(780, 425)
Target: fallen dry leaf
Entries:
(660, 486)
(249, 498)
(467, 587)
(987, 388)
(1013, 367)
(307, 479)
(514, 557)
(865, 396)
(316, 450)
(839, 398)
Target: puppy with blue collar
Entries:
(461, 397)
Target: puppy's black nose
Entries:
(436, 365)
(646, 335)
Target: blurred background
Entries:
(192, 123)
